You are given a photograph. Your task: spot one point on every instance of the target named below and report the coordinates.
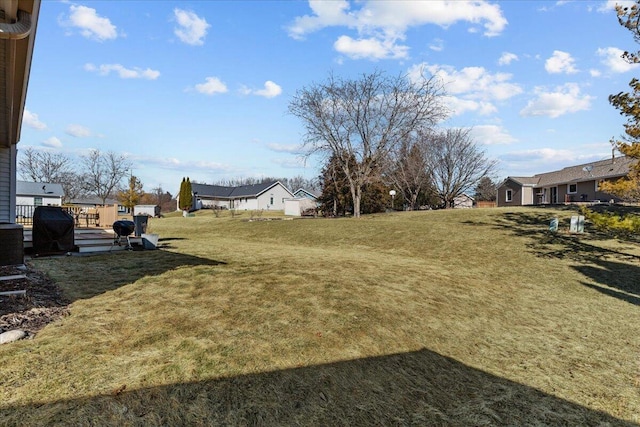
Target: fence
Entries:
(83, 217)
(486, 204)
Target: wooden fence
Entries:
(486, 204)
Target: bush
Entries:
(623, 225)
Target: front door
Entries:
(554, 195)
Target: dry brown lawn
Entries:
(470, 317)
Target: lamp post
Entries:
(392, 193)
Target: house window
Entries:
(271, 201)
(37, 201)
(597, 188)
(509, 195)
(573, 188)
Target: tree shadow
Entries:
(613, 269)
(88, 276)
(413, 388)
(616, 279)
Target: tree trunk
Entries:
(356, 193)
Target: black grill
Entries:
(123, 228)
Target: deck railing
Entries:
(82, 217)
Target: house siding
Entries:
(7, 184)
(516, 194)
(46, 201)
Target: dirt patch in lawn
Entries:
(41, 303)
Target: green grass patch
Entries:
(466, 317)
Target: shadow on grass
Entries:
(615, 271)
(414, 388)
(86, 277)
(613, 278)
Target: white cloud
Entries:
(290, 162)
(471, 89)
(186, 166)
(371, 48)
(52, 142)
(211, 86)
(31, 119)
(507, 58)
(284, 148)
(472, 82)
(271, 90)
(491, 135)
(91, 25)
(458, 106)
(612, 59)
(381, 24)
(563, 100)
(560, 62)
(78, 131)
(610, 5)
(191, 28)
(437, 45)
(595, 73)
(123, 72)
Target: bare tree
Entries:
(408, 170)
(364, 119)
(43, 166)
(104, 172)
(456, 163)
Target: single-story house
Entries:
(38, 194)
(301, 192)
(268, 196)
(569, 185)
(463, 201)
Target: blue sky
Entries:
(201, 88)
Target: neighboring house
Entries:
(463, 201)
(301, 192)
(18, 22)
(268, 196)
(38, 194)
(303, 203)
(569, 185)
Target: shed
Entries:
(298, 206)
(149, 210)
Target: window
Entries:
(271, 201)
(597, 186)
(509, 195)
(37, 201)
(573, 188)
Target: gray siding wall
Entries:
(516, 194)
(7, 184)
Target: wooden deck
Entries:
(89, 240)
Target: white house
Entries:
(38, 194)
(463, 201)
(267, 196)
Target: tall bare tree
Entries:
(456, 163)
(104, 173)
(365, 119)
(44, 166)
